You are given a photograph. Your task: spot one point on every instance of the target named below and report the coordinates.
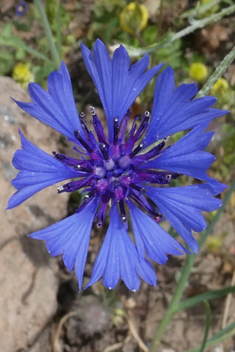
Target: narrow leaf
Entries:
(190, 302)
(208, 324)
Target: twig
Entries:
(135, 333)
(56, 344)
(114, 347)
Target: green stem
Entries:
(160, 19)
(208, 324)
(37, 54)
(54, 53)
(203, 7)
(58, 30)
(184, 278)
(195, 25)
(213, 341)
(218, 73)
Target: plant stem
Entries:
(58, 30)
(218, 73)
(212, 342)
(195, 25)
(46, 26)
(160, 19)
(184, 278)
(208, 324)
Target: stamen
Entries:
(147, 114)
(65, 159)
(144, 204)
(81, 140)
(82, 168)
(123, 213)
(101, 214)
(137, 149)
(115, 130)
(123, 125)
(60, 189)
(138, 188)
(104, 151)
(90, 195)
(84, 126)
(92, 110)
(99, 130)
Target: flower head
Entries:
(21, 9)
(134, 17)
(198, 71)
(124, 174)
(22, 74)
(221, 86)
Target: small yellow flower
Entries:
(134, 18)
(221, 86)
(198, 72)
(22, 74)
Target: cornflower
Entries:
(124, 174)
(21, 9)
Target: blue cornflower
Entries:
(21, 9)
(125, 174)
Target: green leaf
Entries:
(204, 296)
(218, 338)
(208, 324)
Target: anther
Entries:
(92, 110)
(60, 189)
(138, 188)
(99, 224)
(122, 211)
(115, 130)
(81, 140)
(82, 168)
(147, 114)
(137, 149)
(104, 150)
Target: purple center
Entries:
(114, 170)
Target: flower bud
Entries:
(134, 18)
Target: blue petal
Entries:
(174, 111)
(186, 155)
(182, 207)
(56, 108)
(39, 170)
(71, 237)
(117, 83)
(154, 239)
(118, 258)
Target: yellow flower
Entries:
(221, 86)
(22, 74)
(134, 18)
(198, 72)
